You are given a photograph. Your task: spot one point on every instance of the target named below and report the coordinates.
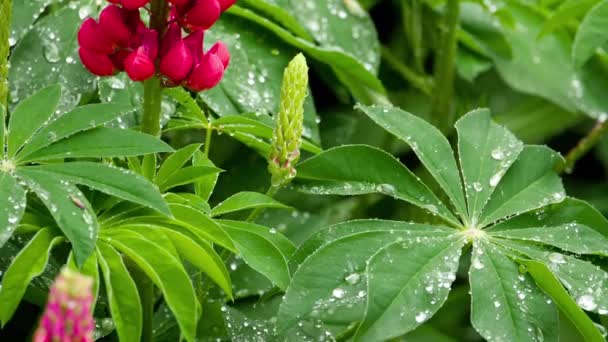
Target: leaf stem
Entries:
(272, 190)
(418, 81)
(584, 145)
(444, 68)
(208, 137)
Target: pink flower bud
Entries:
(207, 74)
(176, 59)
(199, 14)
(97, 64)
(226, 4)
(134, 4)
(139, 66)
(91, 37)
(221, 50)
(67, 316)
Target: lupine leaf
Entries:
(244, 201)
(591, 34)
(204, 186)
(187, 175)
(12, 202)
(361, 169)
(199, 223)
(28, 264)
(175, 162)
(122, 293)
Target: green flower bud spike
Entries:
(287, 137)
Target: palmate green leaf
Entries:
(530, 183)
(572, 237)
(279, 13)
(192, 109)
(48, 54)
(28, 264)
(203, 188)
(486, 151)
(568, 10)
(264, 251)
(187, 175)
(12, 202)
(24, 14)
(546, 281)
(330, 285)
(30, 115)
(199, 223)
(586, 282)
(80, 119)
(148, 232)
(481, 31)
(122, 293)
(591, 34)
(175, 162)
(361, 169)
(101, 143)
(246, 200)
(168, 275)
(68, 207)
(506, 305)
(429, 144)
(113, 181)
(407, 283)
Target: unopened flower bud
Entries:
(68, 315)
(287, 137)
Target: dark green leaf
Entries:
(244, 201)
(591, 34)
(175, 162)
(187, 175)
(12, 202)
(203, 188)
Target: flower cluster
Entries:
(68, 316)
(120, 41)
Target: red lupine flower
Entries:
(130, 4)
(176, 59)
(68, 316)
(197, 14)
(207, 74)
(120, 25)
(226, 4)
(98, 64)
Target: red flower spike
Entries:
(92, 38)
(176, 59)
(113, 22)
(179, 2)
(194, 41)
(207, 74)
(138, 65)
(226, 4)
(221, 50)
(201, 15)
(134, 4)
(149, 41)
(172, 36)
(97, 64)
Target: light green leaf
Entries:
(530, 183)
(591, 34)
(80, 119)
(546, 281)
(143, 231)
(407, 283)
(113, 181)
(68, 207)
(30, 115)
(28, 264)
(244, 201)
(175, 162)
(506, 305)
(24, 14)
(187, 175)
(48, 54)
(192, 109)
(330, 285)
(568, 10)
(361, 169)
(100, 143)
(122, 293)
(204, 187)
(568, 211)
(168, 275)
(486, 152)
(429, 144)
(259, 250)
(12, 202)
(279, 13)
(199, 223)
(571, 237)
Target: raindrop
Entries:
(557, 258)
(338, 293)
(496, 178)
(353, 278)
(498, 154)
(421, 317)
(586, 302)
(477, 186)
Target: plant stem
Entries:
(584, 145)
(208, 137)
(272, 190)
(422, 83)
(444, 68)
(412, 26)
(5, 28)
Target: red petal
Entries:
(97, 64)
(202, 15)
(138, 66)
(207, 74)
(179, 2)
(112, 22)
(172, 36)
(91, 38)
(221, 50)
(226, 4)
(118, 59)
(194, 41)
(177, 63)
(149, 41)
(134, 4)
